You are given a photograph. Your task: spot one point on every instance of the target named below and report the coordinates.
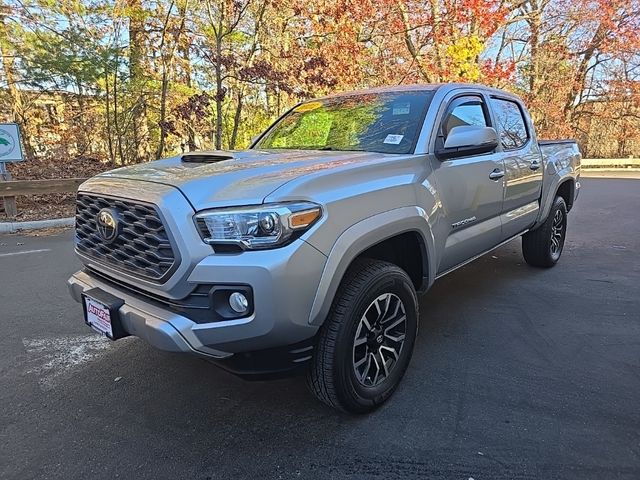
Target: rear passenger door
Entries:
(471, 187)
(523, 165)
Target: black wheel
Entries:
(543, 246)
(366, 342)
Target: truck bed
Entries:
(564, 151)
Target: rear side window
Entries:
(510, 122)
(464, 111)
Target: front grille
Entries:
(142, 247)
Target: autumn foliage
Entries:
(123, 81)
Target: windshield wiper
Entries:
(332, 149)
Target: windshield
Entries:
(373, 122)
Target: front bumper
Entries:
(284, 283)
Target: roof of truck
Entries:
(421, 87)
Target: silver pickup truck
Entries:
(307, 251)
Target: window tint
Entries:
(513, 130)
(465, 111)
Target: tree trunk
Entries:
(167, 64)
(220, 93)
(236, 122)
(116, 122)
(137, 56)
(191, 133)
(408, 41)
(534, 26)
(83, 136)
(112, 157)
(437, 37)
(186, 59)
(163, 111)
(581, 73)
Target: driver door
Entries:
(471, 188)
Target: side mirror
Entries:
(466, 140)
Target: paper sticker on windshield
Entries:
(307, 107)
(401, 108)
(393, 139)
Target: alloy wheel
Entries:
(557, 234)
(379, 339)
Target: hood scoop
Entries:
(212, 156)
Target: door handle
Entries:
(496, 174)
(535, 165)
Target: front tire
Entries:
(365, 345)
(543, 246)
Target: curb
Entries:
(10, 227)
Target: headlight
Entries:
(252, 228)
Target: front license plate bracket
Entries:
(113, 304)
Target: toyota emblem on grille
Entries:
(107, 225)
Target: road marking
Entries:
(26, 251)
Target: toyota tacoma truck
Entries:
(307, 252)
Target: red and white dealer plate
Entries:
(98, 317)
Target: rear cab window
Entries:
(510, 122)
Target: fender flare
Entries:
(358, 238)
(547, 200)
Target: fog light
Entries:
(238, 302)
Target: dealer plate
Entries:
(98, 316)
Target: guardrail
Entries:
(13, 188)
(610, 163)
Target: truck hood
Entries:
(246, 179)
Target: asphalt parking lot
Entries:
(518, 373)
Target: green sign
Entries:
(10, 150)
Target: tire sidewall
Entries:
(359, 396)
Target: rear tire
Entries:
(366, 342)
(543, 246)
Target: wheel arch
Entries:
(402, 250)
(373, 237)
(566, 189)
(563, 185)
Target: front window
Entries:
(372, 122)
(464, 111)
